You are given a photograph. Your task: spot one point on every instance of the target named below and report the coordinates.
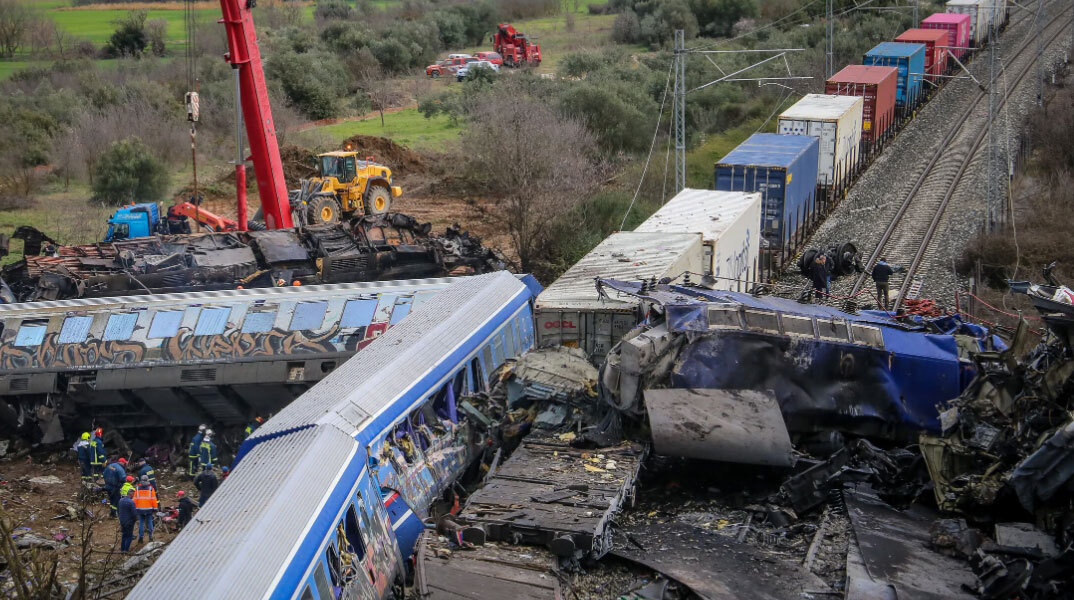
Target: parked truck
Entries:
(515, 48)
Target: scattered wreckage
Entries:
(849, 455)
(393, 246)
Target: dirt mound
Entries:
(402, 160)
(298, 163)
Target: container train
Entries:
(329, 495)
(894, 80)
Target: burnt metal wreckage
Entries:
(369, 248)
(847, 454)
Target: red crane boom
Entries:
(244, 55)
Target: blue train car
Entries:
(329, 495)
(784, 169)
(863, 373)
(909, 59)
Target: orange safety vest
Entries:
(145, 498)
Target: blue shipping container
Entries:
(909, 59)
(784, 169)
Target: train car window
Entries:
(335, 566)
(323, 591)
(799, 326)
(478, 377)
(834, 329)
(496, 343)
(385, 306)
(259, 322)
(486, 354)
(358, 313)
(525, 325)
(120, 327)
(354, 533)
(212, 321)
(166, 324)
(307, 594)
(459, 383)
(308, 315)
(509, 340)
(75, 330)
(31, 333)
(402, 309)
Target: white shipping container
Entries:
(978, 18)
(729, 224)
(570, 313)
(836, 122)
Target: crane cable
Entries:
(192, 100)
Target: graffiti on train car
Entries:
(186, 347)
(89, 353)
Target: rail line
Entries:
(936, 185)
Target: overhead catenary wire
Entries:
(652, 145)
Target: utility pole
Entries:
(993, 149)
(916, 22)
(1040, 52)
(678, 111)
(829, 30)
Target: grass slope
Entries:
(407, 127)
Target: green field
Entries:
(98, 25)
(407, 127)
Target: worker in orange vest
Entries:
(145, 503)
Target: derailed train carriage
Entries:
(863, 374)
(329, 495)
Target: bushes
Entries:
(315, 82)
(126, 172)
(130, 37)
(333, 9)
(626, 29)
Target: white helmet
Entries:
(201, 428)
(208, 433)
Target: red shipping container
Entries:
(958, 28)
(877, 86)
(935, 53)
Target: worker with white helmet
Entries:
(207, 451)
(194, 450)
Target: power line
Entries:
(656, 132)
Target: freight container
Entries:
(835, 121)
(979, 18)
(909, 59)
(876, 86)
(729, 224)
(957, 26)
(783, 168)
(935, 53)
(570, 312)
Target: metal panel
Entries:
(909, 59)
(957, 26)
(742, 426)
(835, 120)
(246, 536)
(876, 86)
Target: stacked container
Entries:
(784, 169)
(935, 53)
(909, 59)
(958, 30)
(979, 17)
(876, 86)
(571, 312)
(729, 224)
(835, 121)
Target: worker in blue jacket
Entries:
(128, 516)
(83, 449)
(252, 427)
(207, 451)
(194, 450)
(98, 454)
(114, 476)
(144, 469)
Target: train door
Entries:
(825, 132)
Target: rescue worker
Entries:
(97, 454)
(252, 427)
(224, 472)
(186, 508)
(128, 514)
(145, 470)
(206, 483)
(207, 451)
(127, 485)
(83, 449)
(882, 273)
(192, 451)
(114, 476)
(145, 501)
(818, 274)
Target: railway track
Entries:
(909, 234)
